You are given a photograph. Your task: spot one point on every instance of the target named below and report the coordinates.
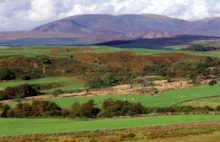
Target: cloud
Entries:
(27, 14)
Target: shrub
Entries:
(218, 108)
(6, 74)
(88, 110)
(212, 82)
(37, 74)
(20, 91)
(95, 82)
(111, 108)
(45, 108)
(4, 108)
(26, 77)
(108, 79)
(57, 92)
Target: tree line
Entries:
(110, 108)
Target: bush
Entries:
(20, 91)
(111, 108)
(37, 74)
(95, 82)
(212, 82)
(26, 77)
(108, 79)
(6, 74)
(45, 108)
(4, 108)
(218, 108)
(87, 109)
(57, 92)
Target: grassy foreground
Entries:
(33, 126)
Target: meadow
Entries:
(164, 99)
(66, 51)
(67, 83)
(53, 125)
(212, 102)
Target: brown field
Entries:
(132, 61)
(195, 132)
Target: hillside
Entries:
(91, 29)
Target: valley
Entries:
(111, 78)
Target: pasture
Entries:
(10, 127)
(67, 83)
(164, 99)
(66, 51)
(212, 102)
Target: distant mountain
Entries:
(158, 43)
(99, 24)
(91, 29)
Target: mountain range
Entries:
(92, 29)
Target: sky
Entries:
(28, 14)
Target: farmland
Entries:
(32, 51)
(22, 126)
(203, 131)
(175, 97)
(65, 83)
(69, 69)
(213, 102)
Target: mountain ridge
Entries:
(98, 28)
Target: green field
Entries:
(70, 83)
(212, 102)
(31, 126)
(159, 100)
(30, 51)
(164, 99)
(33, 51)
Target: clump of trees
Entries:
(20, 91)
(36, 109)
(106, 80)
(212, 82)
(110, 108)
(198, 47)
(7, 74)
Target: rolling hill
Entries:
(91, 29)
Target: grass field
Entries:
(31, 126)
(33, 51)
(30, 51)
(158, 100)
(212, 102)
(71, 83)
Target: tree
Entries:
(20, 91)
(95, 82)
(212, 82)
(6, 74)
(89, 110)
(45, 108)
(4, 108)
(108, 79)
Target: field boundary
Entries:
(207, 97)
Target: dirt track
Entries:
(159, 86)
